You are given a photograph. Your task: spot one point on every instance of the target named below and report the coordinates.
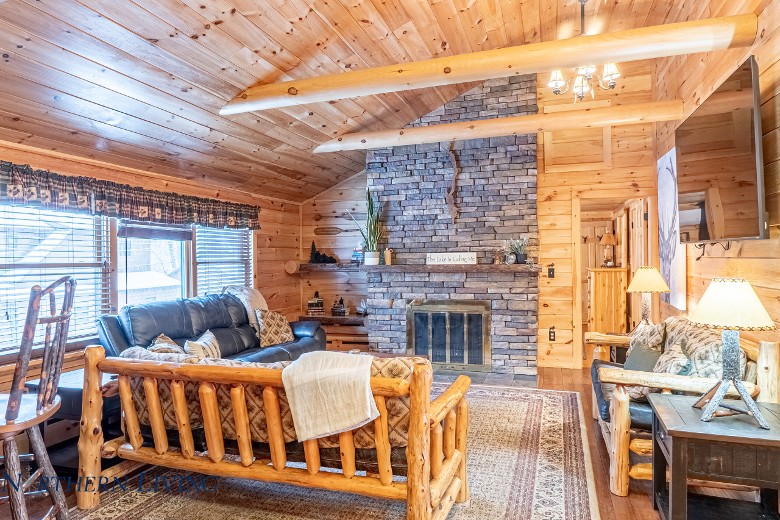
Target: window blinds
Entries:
(222, 257)
(37, 247)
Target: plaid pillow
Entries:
(274, 328)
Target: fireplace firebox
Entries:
(454, 334)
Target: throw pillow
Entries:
(162, 344)
(674, 361)
(252, 300)
(273, 328)
(205, 346)
(146, 355)
(642, 357)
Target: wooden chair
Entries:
(25, 412)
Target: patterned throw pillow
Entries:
(146, 355)
(674, 361)
(205, 346)
(162, 344)
(274, 328)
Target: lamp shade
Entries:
(647, 279)
(731, 303)
(608, 239)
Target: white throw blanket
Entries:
(329, 393)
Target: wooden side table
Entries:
(727, 449)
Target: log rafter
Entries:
(515, 125)
(630, 45)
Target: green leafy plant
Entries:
(518, 245)
(372, 232)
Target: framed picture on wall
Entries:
(672, 253)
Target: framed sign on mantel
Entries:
(456, 258)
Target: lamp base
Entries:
(713, 399)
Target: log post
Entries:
(418, 493)
(450, 423)
(768, 378)
(461, 434)
(382, 439)
(91, 430)
(620, 439)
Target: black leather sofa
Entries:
(640, 412)
(186, 319)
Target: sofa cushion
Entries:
(397, 408)
(236, 310)
(143, 323)
(299, 347)
(206, 346)
(274, 328)
(234, 340)
(262, 355)
(208, 312)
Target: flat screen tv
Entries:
(720, 164)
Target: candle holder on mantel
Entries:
(732, 305)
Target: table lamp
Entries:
(647, 280)
(609, 242)
(730, 304)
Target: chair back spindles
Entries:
(54, 341)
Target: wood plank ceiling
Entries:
(139, 83)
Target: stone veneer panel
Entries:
(496, 194)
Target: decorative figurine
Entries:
(388, 256)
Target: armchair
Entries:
(625, 424)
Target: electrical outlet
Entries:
(551, 271)
(552, 333)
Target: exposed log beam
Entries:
(635, 44)
(587, 118)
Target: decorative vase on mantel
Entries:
(371, 257)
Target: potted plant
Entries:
(372, 232)
(517, 246)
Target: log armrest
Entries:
(676, 383)
(442, 405)
(597, 338)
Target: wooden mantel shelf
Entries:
(457, 268)
(295, 267)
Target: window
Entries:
(39, 247)
(152, 262)
(115, 263)
(222, 257)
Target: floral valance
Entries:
(23, 185)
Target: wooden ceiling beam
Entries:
(587, 118)
(630, 45)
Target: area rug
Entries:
(528, 459)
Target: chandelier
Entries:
(586, 80)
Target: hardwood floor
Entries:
(636, 506)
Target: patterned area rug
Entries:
(528, 459)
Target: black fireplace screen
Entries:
(452, 333)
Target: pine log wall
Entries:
(584, 165)
(325, 221)
(692, 79)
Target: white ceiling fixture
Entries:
(586, 80)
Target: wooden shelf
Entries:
(326, 268)
(356, 320)
(419, 268)
(458, 268)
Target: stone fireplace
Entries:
(496, 196)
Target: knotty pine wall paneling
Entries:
(619, 166)
(692, 79)
(325, 220)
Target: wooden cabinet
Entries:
(607, 300)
